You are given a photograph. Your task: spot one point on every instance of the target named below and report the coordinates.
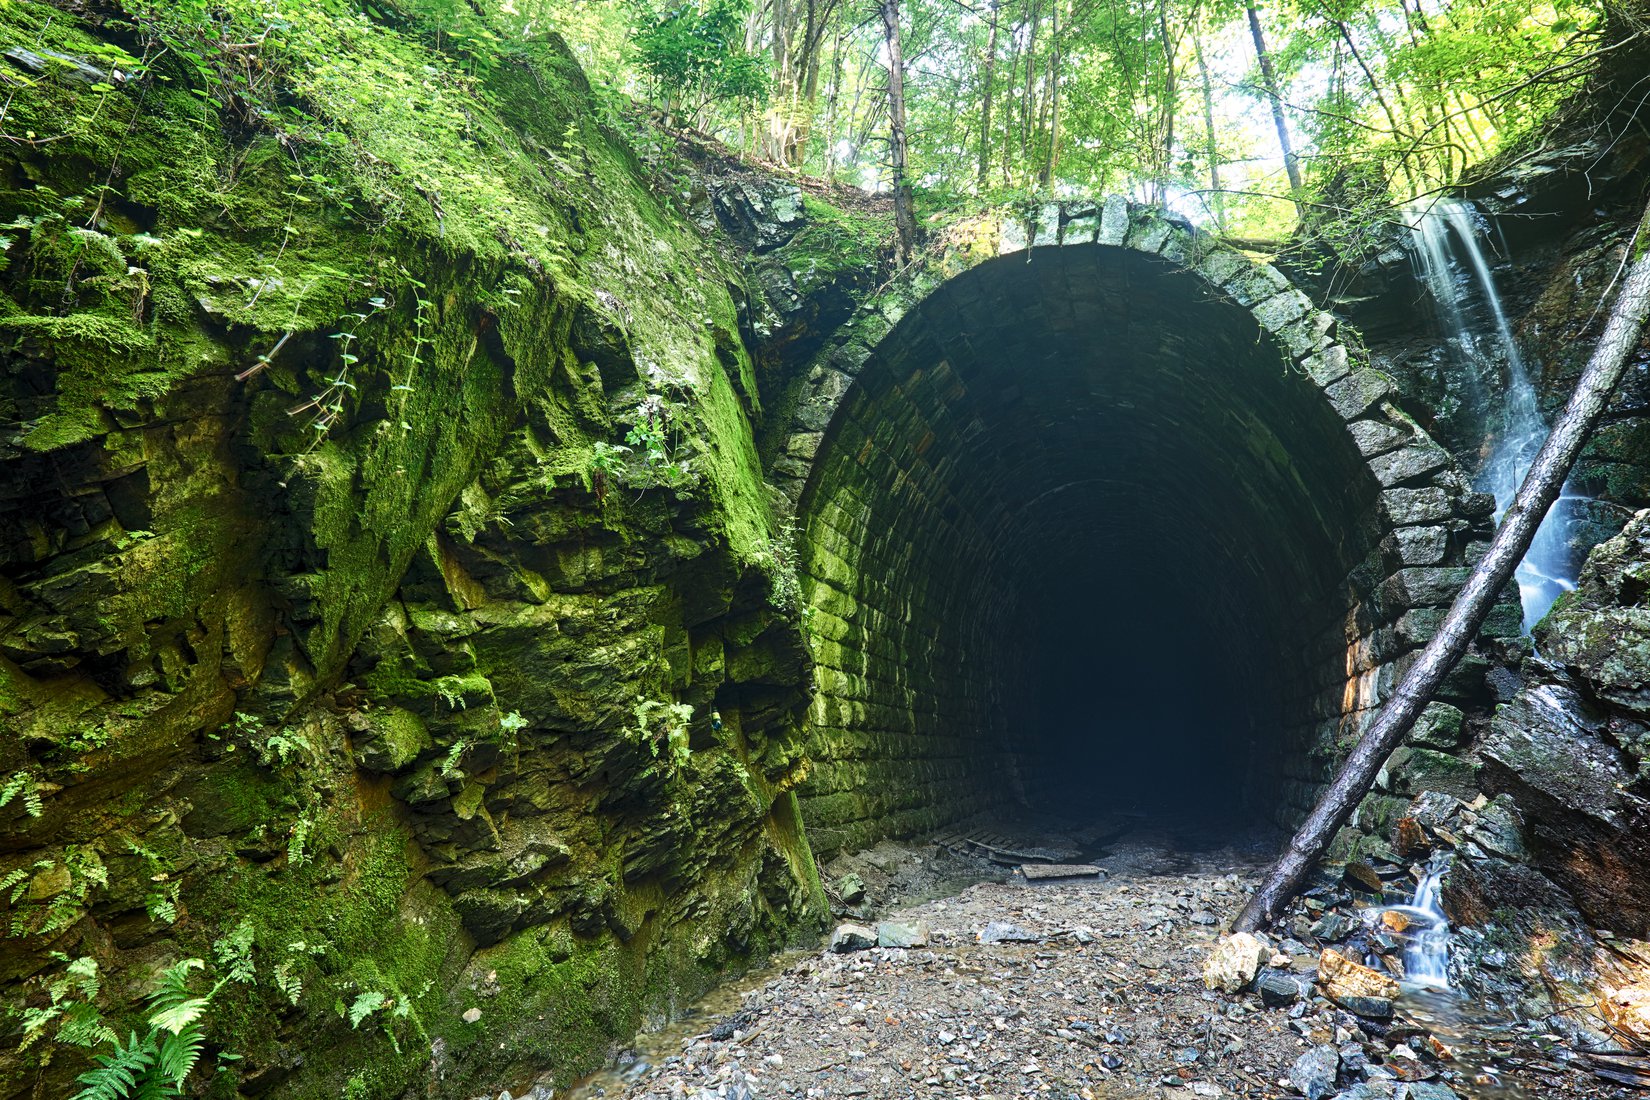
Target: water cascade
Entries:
(1446, 239)
(1425, 929)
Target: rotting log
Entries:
(1476, 598)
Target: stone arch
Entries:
(1101, 398)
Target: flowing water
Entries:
(1448, 242)
(1466, 1032)
(1426, 932)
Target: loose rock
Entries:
(1234, 962)
(1314, 1072)
(852, 937)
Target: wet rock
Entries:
(1343, 980)
(1003, 932)
(851, 889)
(1547, 740)
(1234, 962)
(897, 934)
(1370, 1090)
(852, 937)
(1374, 1008)
(1439, 727)
(1276, 989)
(1500, 829)
(1426, 1090)
(1314, 1072)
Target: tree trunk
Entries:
(1053, 159)
(905, 218)
(1270, 77)
(1541, 487)
(988, 75)
(834, 96)
(1035, 17)
(1166, 155)
(1216, 198)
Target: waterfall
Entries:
(1425, 931)
(1446, 240)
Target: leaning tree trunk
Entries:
(1476, 598)
(905, 216)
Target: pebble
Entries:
(1313, 1074)
(1075, 988)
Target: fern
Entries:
(178, 1054)
(290, 984)
(22, 785)
(83, 1026)
(116, 1075)
(172, 1005)
(296, 856)
(365, 1005)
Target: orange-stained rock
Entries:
(1342, 978)
(1627, 1008)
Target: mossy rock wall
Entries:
(323, 611)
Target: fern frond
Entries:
(83, 1026)
(176, 1018)
(116, 1075)
(365, 1005)
(174, 990)
(178, 1055)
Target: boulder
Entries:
(1344, 980)
(1003, 932)
(1235, 961)
(1627, 1008)
(852, 937)
(1314, 1072)
(897, 934)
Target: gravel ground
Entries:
(1093, 990)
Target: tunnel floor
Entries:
(1076, 987)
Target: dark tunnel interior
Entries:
(1078, 540)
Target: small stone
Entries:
(896, 934)
(1313, 1074)
(852, 937)
(1429, 1090)
(471, 1015)
(999, 931)
(1234, 962)
(851, 889)
(1277, 990)
(1354, 1059)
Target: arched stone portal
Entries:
(1108, 520)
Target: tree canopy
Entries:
(1188, 103)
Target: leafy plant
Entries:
(297, 844)
(161, 901)
(786, 588)
(24, 786)
(451, 766)
(159, 1061)
(64, 898)
(663, 727)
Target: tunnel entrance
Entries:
(1080, 538)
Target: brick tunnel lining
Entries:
(1079, 538)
